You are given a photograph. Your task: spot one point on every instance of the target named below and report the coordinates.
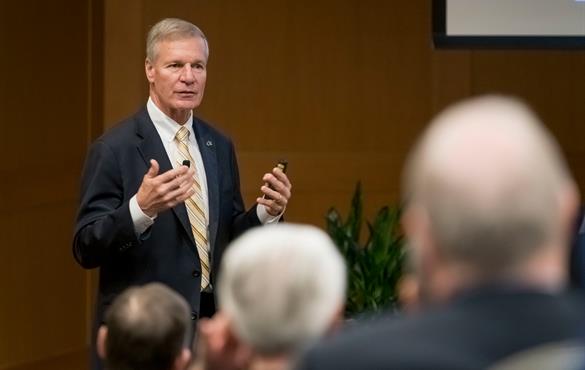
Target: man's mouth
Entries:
(186, 93)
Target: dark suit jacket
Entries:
(472, 332)
(166, 252)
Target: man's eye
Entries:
(199, 66)
(174, 65)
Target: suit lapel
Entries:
(207, 147)
(151, 147)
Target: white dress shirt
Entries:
(167, 129)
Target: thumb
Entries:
(153, 170)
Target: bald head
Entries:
(146, 327)
(492, 182)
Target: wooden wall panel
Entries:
(451, 77)
(45, 114)
(71, 360)
(124, 83)
(335, 86)
(339, 88)
(552, 82)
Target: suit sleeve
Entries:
(104, 227)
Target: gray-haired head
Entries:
(492, 182)
(171, 29)
(282, 286)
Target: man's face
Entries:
(177, 76)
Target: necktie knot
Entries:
(182, 134)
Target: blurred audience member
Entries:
(146, 328)
(489, 216)
(578, 254)
(569, 355)
(280, 288)
(409, 294)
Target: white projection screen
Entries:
(509, 23)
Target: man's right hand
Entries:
(158, 193)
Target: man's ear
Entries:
(101, 341)
(417, 227)
(182, 361)
(569, 201)
(421, 244)
(149, 69)
(242, 353)
(337, 320)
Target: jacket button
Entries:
(194, 316)
(196, 274)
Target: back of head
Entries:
(492, 182)
(147, 328)
(281, 286)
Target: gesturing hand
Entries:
(158, 193)
(276, 198)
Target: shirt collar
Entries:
(167, 127)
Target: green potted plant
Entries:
(374, 267)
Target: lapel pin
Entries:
(209, 143)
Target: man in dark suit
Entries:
(144, 215)
(489, 212)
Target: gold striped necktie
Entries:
(195, 208)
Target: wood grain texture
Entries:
(124, 44)
(75, 359)
(340, 88)
(46, 108)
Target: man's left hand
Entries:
(276, 196)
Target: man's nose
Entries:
(187, 75)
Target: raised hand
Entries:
(277, 194)
(158, 193)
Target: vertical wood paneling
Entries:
(340, 88)
(124, 82)
(337, 85)
(333, 86)
(47, 105)
(552, 82)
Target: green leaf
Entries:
(375, 267)
(354, 219)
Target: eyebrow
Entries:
(176, 61)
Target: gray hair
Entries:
(282, 285)
(489, 175)
(172, 29)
